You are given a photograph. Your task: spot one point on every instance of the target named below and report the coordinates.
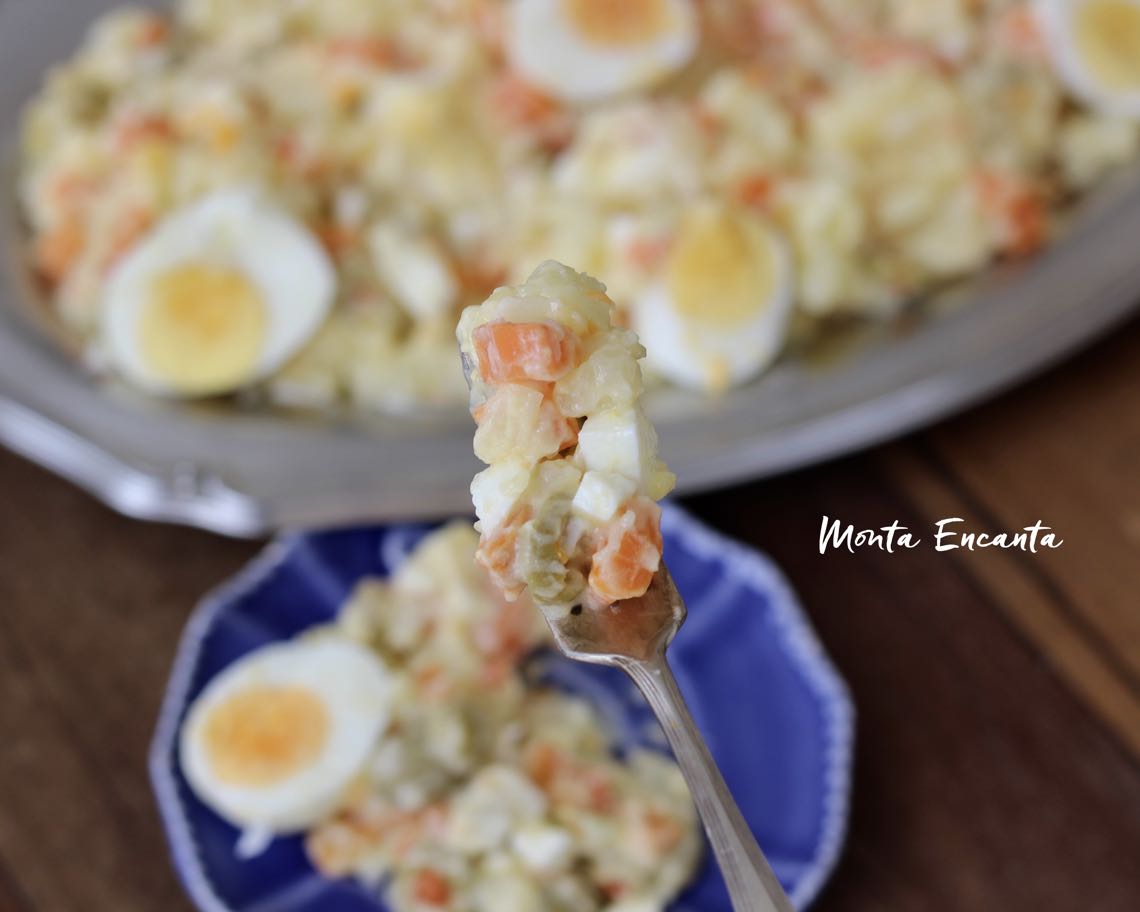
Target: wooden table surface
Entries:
(998, 757)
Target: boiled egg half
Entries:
(275, 741)
(719, 313)
(1095, 45)
(587, 50)
(218, 296)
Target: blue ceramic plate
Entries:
(775, 713)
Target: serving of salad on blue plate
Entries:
(358, 721)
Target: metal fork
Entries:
(633, 636)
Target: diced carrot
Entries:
(488, 21)
(285, 150)
(431, 888)
(519, 102)
(570, 781)
(601, 796)
(876, 51)
(372, 50)
(523, 106)
(755, 190)
(498, 549)
(431, 682)
(337, 239)
(479, 412)
(135, 130)
(564, 429)
(1018, 31)
(613, 889)
(647, 253)
(296, 160)
(541, 763)
(1029, 222)
(507, 630)
(130, 225)
(707, 122)
(1019, 208)
(662, 831)
(56, 251)
(742, 29)
(153, 32)
(504, 638)
(496, 553)
(512, 352)
(69, 188)
(629, 552)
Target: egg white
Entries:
(238, 230)
(619, 441)
(354, 689)
(551, 52)
(496, 490)
(711, 355)
(1058, 19)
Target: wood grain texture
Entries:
(1022, 588)
(997, 761)
(1066, 452)
(93, 605)
(1070, 455)
(981, 781)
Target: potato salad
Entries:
(407, 744)
(567, 506)
(741, 171)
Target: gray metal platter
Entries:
(244, 472)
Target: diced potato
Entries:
(608, 378)
(518, 422)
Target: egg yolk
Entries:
(618, 23)
(262, 735)
(1107, 36)
(722, 269)
(203, 328)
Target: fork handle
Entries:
(750, 881)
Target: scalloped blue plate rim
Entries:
(798, 640)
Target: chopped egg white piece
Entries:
(601, 494)
(542, 847)
(586, 50)
(1095, 45)
(619, 440)
(497, 489)
(277, 739)
(720, 314)
(219, 295)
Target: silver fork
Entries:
(633, 636)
